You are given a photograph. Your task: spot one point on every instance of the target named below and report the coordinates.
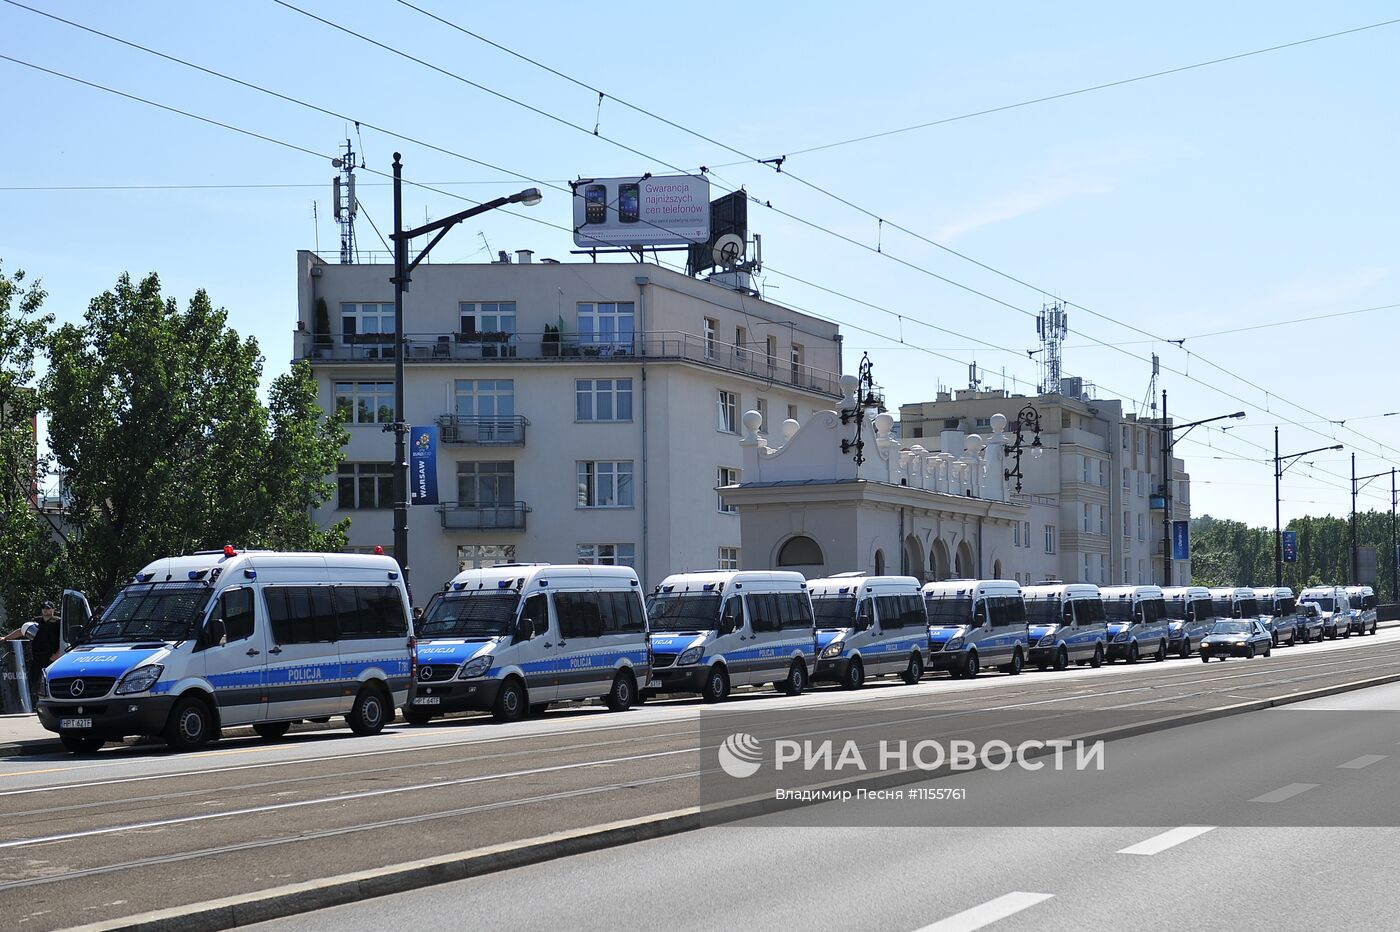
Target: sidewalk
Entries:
(22, 735)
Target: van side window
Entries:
(1006, 610)
(891, 612)
(621, 612)
(1287, 606)
(763, 612)
(1089, 611)
(369, 612)
(301, 614)
(537, 611)
(1153, 610)
(579, 614)
(237, 608)
(912, 608)
(1204, 612)
(797, 610)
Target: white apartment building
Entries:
(1103, 470)
(588, 412)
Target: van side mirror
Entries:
(524, 629)
(979, 616)
(77, 634)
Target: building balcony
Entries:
(666, 345)
(497, 516)
(483, 431)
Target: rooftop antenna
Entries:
(343, 197)
(1052, 325)
(1151, 402)
(973, 382)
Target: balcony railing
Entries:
(488, 517)
(668, 345)
(484, 431)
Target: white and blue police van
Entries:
(1334, 607)
(713, 631)
(1363, 609)
(1278, 611)
(974, 624)
(868, 626)
(193, 644)
(1137, 622)
(513, 638)
(1190, 616)
(1066, 623)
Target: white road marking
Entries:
(1284, 792)
(988, 913)
(1168, 839)
(1364, 760)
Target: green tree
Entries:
(165, 448)
(28, 552)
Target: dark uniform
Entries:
(45, 644)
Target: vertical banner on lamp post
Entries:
(422, 465)
(1290, 546)
(1181, 540)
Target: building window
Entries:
(365, 402)
(1103, 473)
(1016, 534)
(728, 412)
(1125, 439)
(728, 558)
(772, 346)
(1127, 525)
(1142, 485)
(1142, 572)
(603, 399)
(726, 476)
(1103, 519)
(361, 323)
(792, 412)
(795, 361)
(741, 337)
(800, 551)
(1088, 518)
(1049, 538)
(710, 326)
(607, 324)
(608, 554)
(1141, 436)
(763, 413)
(1142, 524)
(485, 485)
(1127, 479)
(1028, 535)
(1127, 570)
(1183, 492)
(483, 397)
(1086, 466)
(364, 485)
(476, 556)
(605, 484)
(1088, 573)
(491, 324)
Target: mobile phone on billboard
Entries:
(629, 202)
(595, 199)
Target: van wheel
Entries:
(1097, 660)
(716, 687)
(510, 702)
(1133, 652)
(1293, 638)
(971, 667)
(1014, 667)
(1161, 655)
(370, 711)
(1185, 647)
(191, 725)
(1205, 659)
(796, 680)
(619, 698)
(415, 717)
(271, 730)
(915, 671)
(1061, 658)
(1348, 632)
(81, 744)
(855, 674)
(538, 708)
(1249, 652)
(1275, 639)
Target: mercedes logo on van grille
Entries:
(425, 674)
(77, 688)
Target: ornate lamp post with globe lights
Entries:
(1027, 420)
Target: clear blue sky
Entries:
(1241, 194)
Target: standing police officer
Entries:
(45, 642)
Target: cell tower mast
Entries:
(343, 197)
(1053, 326)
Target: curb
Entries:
(309, 896)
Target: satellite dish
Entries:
(728, 250)
(336, 163)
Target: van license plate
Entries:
(75, 723)
(428, 700)
(653, 684)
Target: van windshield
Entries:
(154, 611)
(474, 613)
(1265, 606)
(1176, 609)
(834, 611)
(1118, 610)
(1043, 612)
(948, 611)
(684, 611)
(1323, 604)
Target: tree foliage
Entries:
(155, 423)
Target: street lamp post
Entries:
(1355, 488)
(1028, 419)
(403, 271)
(1167, 444)
(1279, 470)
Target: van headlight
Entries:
(954, 644)
(477, 666)
(1046, 640)
(1121, 639)
(140, 679)
(834, 649)
(689, 655)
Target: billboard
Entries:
(1181, 540)
(1290, 546)
(422, 459)
(645, 211)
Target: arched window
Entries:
(800, 551)
(879, 563)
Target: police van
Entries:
(1277, 609)
(1066, 623)
(1332, 604)
(1137, 622)
(1363, 608)
(1190, 616)
(513, 638)
(976, 623)
(193, 644)
(713, 631)
(868, 626)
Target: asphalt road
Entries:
(134, 829)
(1258, 860)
